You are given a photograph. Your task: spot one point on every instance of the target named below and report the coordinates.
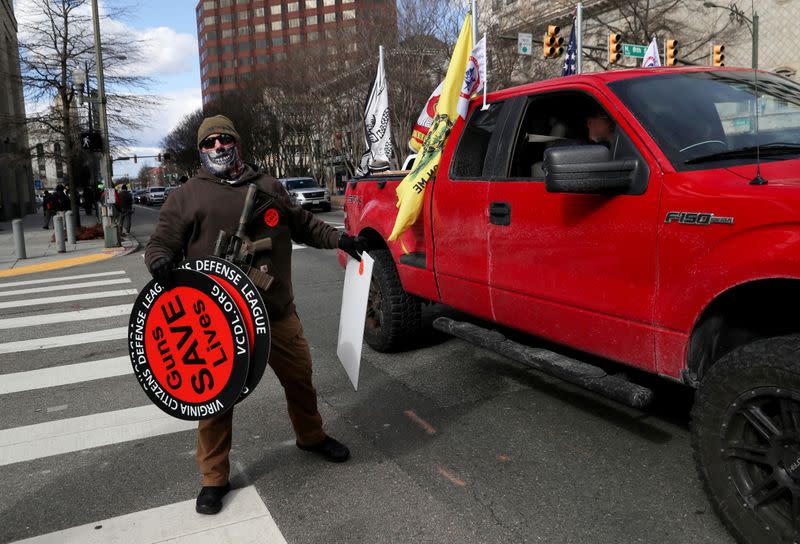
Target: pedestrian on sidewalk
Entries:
(47, 208)
(125, 206)
(188, 224)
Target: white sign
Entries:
(357, 278)
(524, 43)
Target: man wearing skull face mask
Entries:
(188, 225)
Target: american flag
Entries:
(571, 58)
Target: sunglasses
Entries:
(211, 141)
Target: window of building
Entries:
(294, 23)
(225, 3)
(212, 35)
(311, 4)
(40, 160)
(59, 164)
(352, 47)
(227, 48)
(261, 27)
(311, 20)
(210, 20)
(279, 56)
(330, 17)
(276, 25)
(244, 46)
(349, 14)
(262, 59)
(241, 2)
(229, 79)
(275, 10)
(328, 2)
(243, 15)
(294, 38)
(209, 4)
(292, 6)
(312, 36)
(259, 12)
(262, 43)
(244, 30)
(277, 40)
(226, 17)
(227, 33)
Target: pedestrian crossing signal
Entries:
(552, 43)
(91, 141)
(614, 47)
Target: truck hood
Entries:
(776, 172)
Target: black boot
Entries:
(209, 501)
(330, 448)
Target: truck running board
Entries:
(576, 372)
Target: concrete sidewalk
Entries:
(42, 254)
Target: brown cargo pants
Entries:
(290, 359)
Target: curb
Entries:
(102, 255)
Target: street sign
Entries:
(37, 184)
(524, 43)
(631, 50)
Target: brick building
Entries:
(240, 39)
(16, 185)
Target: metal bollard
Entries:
(58, 226)
(70, 220)
(19, 239)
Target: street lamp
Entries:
(738, 15)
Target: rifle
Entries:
(240, 250)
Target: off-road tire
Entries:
(393, 316)
(746, 440)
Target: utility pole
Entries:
(109, 231)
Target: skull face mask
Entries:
(225, 164)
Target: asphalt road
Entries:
(450, 443)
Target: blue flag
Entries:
(571, 58)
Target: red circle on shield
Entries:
(271, 217)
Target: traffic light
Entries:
(552, 42)
(614, 47)
(159, 157)
(135, 158)
(717, 55)
(671, 54)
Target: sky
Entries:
(170, 30)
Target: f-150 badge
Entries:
(697, 218)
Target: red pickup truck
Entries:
(672, 245)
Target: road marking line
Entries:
(59, 408)
(79, 433)
(245, 519)
(60, 278)
(118, 333)
(427, 427)
(78, 315)
(71, 286)
(64, 375)
(67, 298)
(55, 265)
(455, 480)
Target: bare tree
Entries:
(181, 143)
(56, 40)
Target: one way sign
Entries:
(91, 141)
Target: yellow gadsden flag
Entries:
(411, 191)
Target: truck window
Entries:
(470, 156)
(560, 119)
(708, 119)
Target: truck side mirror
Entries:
(586, 169)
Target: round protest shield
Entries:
(248, 299)
(189, 346)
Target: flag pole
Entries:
(486, 79)
(579, 38)
(474, 22)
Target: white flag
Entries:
(377, 127)
(474, 77)
(651, 57)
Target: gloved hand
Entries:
(353, 245)
(161, 270)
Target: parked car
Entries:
(673, 249)
(306, 192)
(153, 195)
(137, 195)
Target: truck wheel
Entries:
(393, 316)
(746, 439)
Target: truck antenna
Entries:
(758, 180)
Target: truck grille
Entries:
(319, 194)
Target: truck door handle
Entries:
(500, 213)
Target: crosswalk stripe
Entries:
(244, 520)
(106, 335)
(67, 298)
(71, 286)
(64, 375)
(60, 278)
(75, 434)
(65, 317)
